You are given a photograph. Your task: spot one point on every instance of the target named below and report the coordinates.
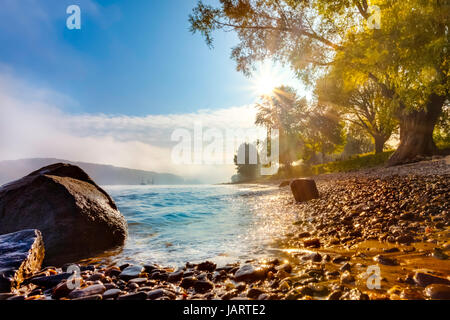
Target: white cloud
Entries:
(32, 124)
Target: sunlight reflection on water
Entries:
(170, 225)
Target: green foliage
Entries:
(364, 106)
(353, 164)
(279, 112)
(323, 132)
(442, 131)
(304, 130)
(357, 142)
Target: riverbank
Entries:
(385, 226)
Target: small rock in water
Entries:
(439, 254)
(254, 293)
(158, 293)
(111, 293)
(346, 277)
(175, 276)
(203, 286)
(312, 243)
(88, 291)
(50, 281)
(438, 291)
(207, 266)
(134, 296)
(335, 295)
(62, 290)
(188, 282)
(93, 297)
(424, 279)
(340, 259)
(354, 294)
(131, 272)
(346, 267)
(303, 235)
(96, 277)
(385, 260)
(249, 273)
(285, 267)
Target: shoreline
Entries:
(401, 227)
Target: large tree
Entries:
(407, 56)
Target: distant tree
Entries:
(364, 106)
(357, 141)
(277, 111)
(406, 56)
(321, 131)
(247, 170)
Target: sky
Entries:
(114, 91)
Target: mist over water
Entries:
(170, 225)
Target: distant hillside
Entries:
(102, 174)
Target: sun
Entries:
(264, 84)
(265, 80)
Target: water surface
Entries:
(171, 225)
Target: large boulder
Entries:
(21, 254)
(76, 217)
(304, 190)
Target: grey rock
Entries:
(131, 272)
(249, 273)
(76, 217)
(88, 291)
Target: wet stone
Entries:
(131, 272)
(346, 278)
(312, 243)
(345, 267)
(112, 293)
(93, 297)
(203, 286)
(188, 282)
(385, 260)
(340, 259)
(175, 276)
(249, 273)
(207, 266)
(424, 279)
(50, 281)
(133, 296)
(158, 293)
(438, 291)
(88, 291)
(254, 293)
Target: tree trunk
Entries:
(416, 132)
(379, 144)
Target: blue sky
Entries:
(116, 90)
(130, 57)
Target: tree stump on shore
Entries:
(304, 190)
